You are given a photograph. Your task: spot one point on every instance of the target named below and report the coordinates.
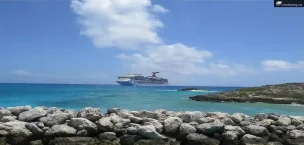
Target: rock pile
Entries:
(24, 125)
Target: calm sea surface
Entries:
(125, 97)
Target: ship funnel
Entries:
(154, 74)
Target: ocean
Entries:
(127, 97)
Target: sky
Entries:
(190, 42)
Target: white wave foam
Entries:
(205, 91)
(294, 104)
(167, 90)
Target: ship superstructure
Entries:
(140, 80)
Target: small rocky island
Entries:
(24, 125)
(277, 94)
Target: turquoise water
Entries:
(125, 97)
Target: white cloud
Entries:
(130, 24)
(126, 24)
(159, 9)
(280, 65)
(20, 72)
(179, 59)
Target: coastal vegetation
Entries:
(24, 125)
(278, 94)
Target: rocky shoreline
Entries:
(289, 93)
(253, 99)
(24, 125)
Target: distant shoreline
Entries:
(288, 93)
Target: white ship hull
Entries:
(139, 80)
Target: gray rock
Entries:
(273, 117)
(205, 120)
(116, 119)
(36, 142)
(158, 126)
(107, 136)
(192, 116)
(217, 115)
(135, 119)
(265, 123)
(3, 133)
(70, 113)
(230, 138)
(92, 114)
(105, 124)
(254, 140)
(290, 127)
(260, 116)
(209, 128)
(149, 132)
(82, 123)
(124, 114)
(61, 130)
(256, 130)
(275, 138)
(148, 120)
(19, 109)
(4, 112)
(200, 139)
(40, 124)
(300, 127)
(245, 123)
(135, 113)
(8, 118)
(113, 110)
(161, 111)
(120, 129)
(73, 141)
(185, 129)
(237, 117)
(129, 139)
(82, 133)
(32, 114)
(17, 131)
(172, 125)
(283, 121)
(147, 114)
(53, 110)
(44, 129)
(274, 143)
(132, 130)
(54, 119)
(34, 129)
(134, 125)
(294, 134)
(247, 118)
(154, 142)
(298, 141)
(227, 121)
(273, 128)
(300, 118)
(194, 124)
(236, 129)
(296, 122)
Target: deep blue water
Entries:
(126, 97)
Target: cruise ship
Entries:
(140, 80)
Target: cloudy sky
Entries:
(191, 42)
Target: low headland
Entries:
(24, 125)
(288, 93)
